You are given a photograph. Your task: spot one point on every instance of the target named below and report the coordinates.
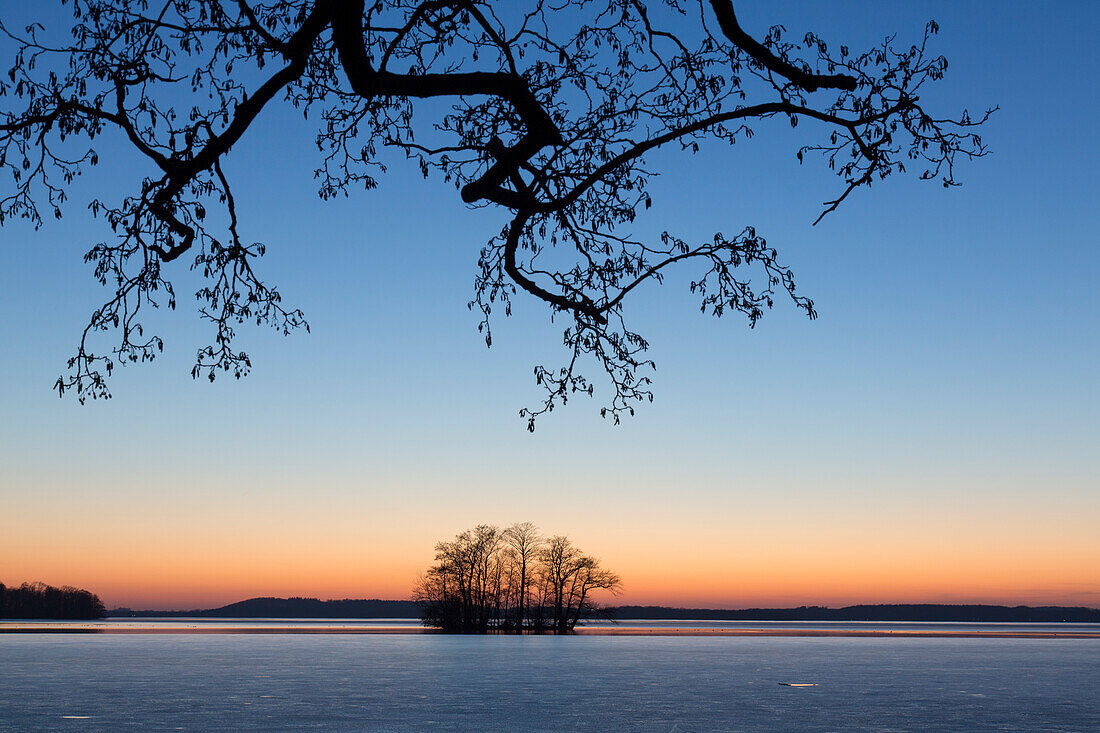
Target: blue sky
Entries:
(950, 378)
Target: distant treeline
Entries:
(41, 601)
(374, 608)
(295, 608)
(883, 612)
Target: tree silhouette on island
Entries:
(513, 579)
(545, 112)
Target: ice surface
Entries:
(91, 682)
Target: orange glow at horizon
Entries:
(172, 584)
(710, 571)
(733, 550)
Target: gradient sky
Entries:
(931, 437)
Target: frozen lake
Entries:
(392, 682)
(670, 626)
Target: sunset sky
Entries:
(932, 437)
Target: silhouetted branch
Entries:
(546, 111)
(727, 21)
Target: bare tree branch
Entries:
(547, 112)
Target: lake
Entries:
(412, 682)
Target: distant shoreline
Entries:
(312, 608)
(273, 629)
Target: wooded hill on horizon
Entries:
(378, 608)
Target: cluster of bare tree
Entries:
(512, 579)
(38, 600)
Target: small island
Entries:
(511, 580)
